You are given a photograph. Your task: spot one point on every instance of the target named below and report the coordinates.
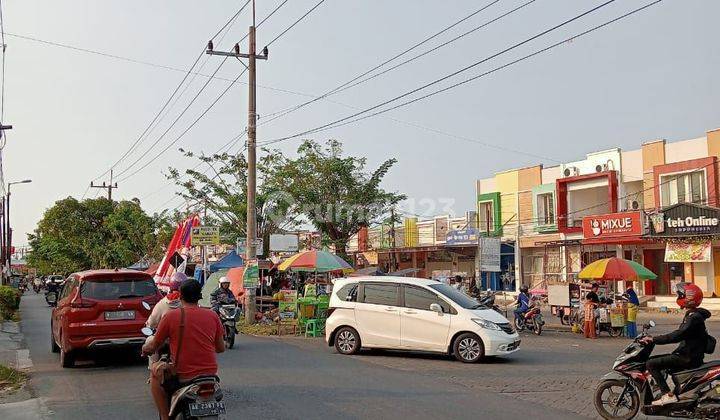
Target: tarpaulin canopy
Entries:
(212, 283)
(231, 260)
(142, 265)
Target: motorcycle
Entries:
(200, 398)
(531, 319)
(488, 300)
(629, 388)
(36, 288)
(51, 298)
(229, 316)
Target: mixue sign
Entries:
(613, 225)
(686, 219)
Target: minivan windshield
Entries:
(111, 289)
(456, 296)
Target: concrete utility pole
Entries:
(108, 187)
(392, 239)
(251, 222)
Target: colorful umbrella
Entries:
(616, 269)
(319, 261)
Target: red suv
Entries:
(98, 309)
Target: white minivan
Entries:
(414, 314)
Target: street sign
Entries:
(489, 254)
(205, 235)
(241, 249)
(284, 242)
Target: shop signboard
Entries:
(688, 252)
(287, 307)
(686, 219)
(284, 242)
(613, 225)
(489, 254)
(205, 235)
(468, 236)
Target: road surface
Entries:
(552, 377)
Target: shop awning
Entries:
(619, 240)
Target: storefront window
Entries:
(683, 188)
(546, 209)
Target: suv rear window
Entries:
(348, 293)
(111, 289)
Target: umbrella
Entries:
(616, 269)
(318, 261)
(235, 275)
(211, 283)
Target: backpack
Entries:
(710, 344)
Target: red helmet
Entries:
(688, 295)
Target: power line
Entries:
(184, 132)
(165, 105)
(511, 63)
(298, 20)
(281, 113)
(466, 68)
(187, 107)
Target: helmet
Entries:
(689, 295)
(176, 280)
(523, 289)
(224, 279)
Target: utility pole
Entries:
(392, 239)
(251, 222)
(108, 187)
(4, 223)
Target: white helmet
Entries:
(224, 279)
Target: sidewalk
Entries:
(19, 405)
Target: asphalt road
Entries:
(551, 377)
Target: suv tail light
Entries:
(82, 304)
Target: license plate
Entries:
(117, 315)
(207, 409)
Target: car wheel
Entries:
(347, 341)
(468, 348)
(67, 358)
(53, 345)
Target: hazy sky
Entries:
(649, 76)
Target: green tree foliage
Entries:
(96, 233)
(334, 192)
(221, 194)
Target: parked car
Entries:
(415, 314)
(99, 309)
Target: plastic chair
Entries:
(311, 328)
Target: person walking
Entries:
(592, 301)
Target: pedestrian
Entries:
(633, 304)
(592, 301)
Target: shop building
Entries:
(549, 212)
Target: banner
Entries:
(692, 252)
(489, 254)
(613, 225)
(205, 235)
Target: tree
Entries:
(334, 192)
(220, 195)
(78, 235)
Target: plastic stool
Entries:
(311, 328)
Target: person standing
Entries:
(633, 304)
(592, 301)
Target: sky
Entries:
(74, 114)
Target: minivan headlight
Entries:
(489, 325)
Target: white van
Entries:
(414, 314)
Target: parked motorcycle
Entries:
(629, 388)
(200, 398)
(229, 316)
(488, 300)
(531, 320)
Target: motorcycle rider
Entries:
(202, 339)
(692, 336)
(522, 302)
(222, 295)
(167, 303)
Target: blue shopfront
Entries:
(505, 278)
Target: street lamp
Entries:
(8, 232)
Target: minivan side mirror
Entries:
(436, 308)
